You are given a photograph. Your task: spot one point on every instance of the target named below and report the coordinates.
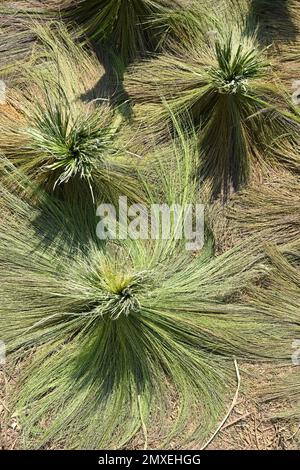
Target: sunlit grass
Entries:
(58, 137)
(226, 86)
(123, 333)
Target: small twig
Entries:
(4, 406)
(14, 443)
(144, 428)
(230, 409)
(133, 154)
(292, 437)
(237, 420)
(256, 435)
(5, 385)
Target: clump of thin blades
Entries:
(222, 81)
(122, 331)
(58, 137)
(136, 341)
(73, 147)
(281, 300)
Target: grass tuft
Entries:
(226, 86)
(118, 24)
(124, 334)
(58, 137)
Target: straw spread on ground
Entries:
(58, 136)
(137, 342)
(122, 331)
(225, 84)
